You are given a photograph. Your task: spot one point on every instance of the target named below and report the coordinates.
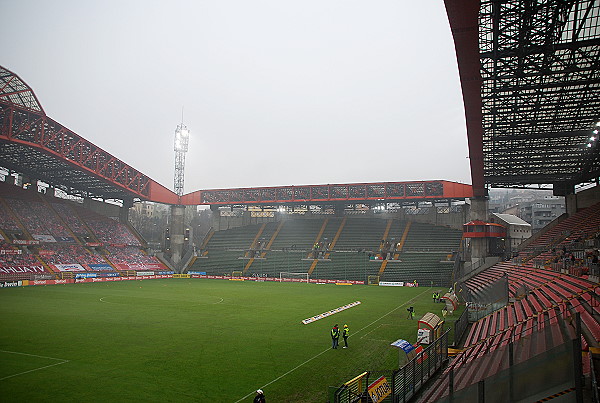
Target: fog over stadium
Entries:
(274, 92)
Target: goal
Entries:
(236, 274)
(373, 280)
(303, 277)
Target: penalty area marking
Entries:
(328, 349)
(62, 361)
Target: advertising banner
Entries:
(404, 345)
(65, 239)
(22, 269)
(93, 244)
(391, 283)
(142, 266)
(11, 283)
(46, 252)
(43, 238)
(10, 251)
(25, 242)
(68, 267)
(379, 390)
(85, 275)
(100, 267)
(144, 273)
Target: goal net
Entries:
(236, 274)
(373, 280)
(302, 277)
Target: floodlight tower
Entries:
(182, 138)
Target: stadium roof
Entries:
(511, 219)
(41, 148)
(530, 75)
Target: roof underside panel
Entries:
(13, 90)
(540, 70)
(350, 193)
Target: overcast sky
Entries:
(275, 92)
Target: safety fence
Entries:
(460, 326)
(548, 375)
(404, 382)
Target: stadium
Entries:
(444, 301)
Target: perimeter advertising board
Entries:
(379, 390)
(22, 269)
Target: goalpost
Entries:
(292, 276)
(373, 280)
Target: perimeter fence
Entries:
(405, 382)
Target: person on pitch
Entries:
(260, 397)
(345, 334)
(335, 336)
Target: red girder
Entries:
(463, 17)
(34, 129)
(353, 192)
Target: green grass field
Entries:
(187, 340)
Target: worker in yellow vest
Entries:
(345, 334)
(335, 336)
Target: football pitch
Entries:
(189, 340)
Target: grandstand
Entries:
(530, 82)
(288, 245)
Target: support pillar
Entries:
(124, 211)
(479, 211)
(177, 232)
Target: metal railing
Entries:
(409, 379)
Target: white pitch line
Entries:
(371, 331)
(63, 361)
(324, 351)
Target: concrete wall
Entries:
(582, 200)
(105, 209)
(453, 220)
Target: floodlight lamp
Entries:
(185, 132)
(595, 131)
(592, 138)
(598, 123)
(589, 145)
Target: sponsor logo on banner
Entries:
(404, 345)
(328, 313)
(379, 390)
(25, 242)
(85, 275)
(10, 251)
(11, 283)
(68, 267)
(43, 238)
(391, 283)
(22, 269)
(64, 239)
(46, 252)
(144, 273)
(197, 272)
(93, 244)
(100, 267)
